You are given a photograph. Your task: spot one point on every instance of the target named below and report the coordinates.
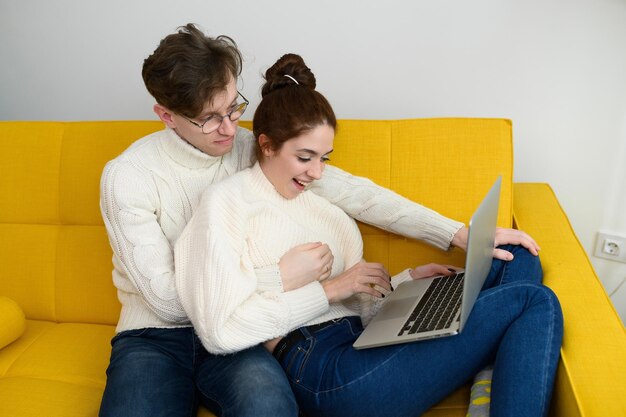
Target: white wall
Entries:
(556, 68)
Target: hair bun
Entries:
(282, 74)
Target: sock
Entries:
(480, 395)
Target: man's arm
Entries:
(128, 203)
(370, 203)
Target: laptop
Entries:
(438, 306)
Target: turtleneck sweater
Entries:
(147, 196)
(243, 224)
(149, 193)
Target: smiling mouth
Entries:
(301, 185)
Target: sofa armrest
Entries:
(591, 376)
(13, 322)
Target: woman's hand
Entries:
(361, 278)
(504, 236)
(431, 270)
(304, 264)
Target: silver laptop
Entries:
(438, 306)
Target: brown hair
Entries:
(290, 108)
(188, 68)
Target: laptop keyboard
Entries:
(438, 306)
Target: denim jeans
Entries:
(516, 325)
(166, 372)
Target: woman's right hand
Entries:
(304, 264)
(360, 278)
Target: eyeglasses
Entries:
(211, 123)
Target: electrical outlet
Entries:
(610, 246)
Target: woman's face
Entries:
(299, 162)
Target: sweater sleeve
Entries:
(218, 286)
(142, 252)
(370, 203)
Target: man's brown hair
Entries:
(188, 69)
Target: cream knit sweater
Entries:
(241, 225)
(150, 192)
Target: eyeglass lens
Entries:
(214, 122)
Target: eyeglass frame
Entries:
(201, 126)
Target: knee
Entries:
(524, 261)
(552, 299)
(266, 396)
(268, 381)
(263, 388)
(543, 295)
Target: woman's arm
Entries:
(218, 287)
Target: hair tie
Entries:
(293, 79)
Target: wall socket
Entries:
(610, 246)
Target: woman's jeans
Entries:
(516, 325)
(166, 372)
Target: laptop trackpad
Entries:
(396, 308)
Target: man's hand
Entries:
(504, 236)
(304, 264)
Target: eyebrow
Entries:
(312, 152)
(210, 113)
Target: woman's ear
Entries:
(165, 115)
(265, 144)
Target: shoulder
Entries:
(227, 194)
(221, 214)
(140, 154)
(130, 174)
(311, 197)
(144, 146)
(330, 211)
(242, 155)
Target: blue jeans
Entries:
(516, 325)
(166, 372)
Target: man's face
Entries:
(299, 162)
(220, 141)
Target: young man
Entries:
(148, 194)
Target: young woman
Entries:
(246, 222)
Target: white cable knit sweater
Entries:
(149, 193)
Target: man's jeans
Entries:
(516, 324)
(166, 372)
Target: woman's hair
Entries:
(290, 106)
(188, 68)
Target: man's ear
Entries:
(165, 115)
(265, 144)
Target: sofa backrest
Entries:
(55, 260)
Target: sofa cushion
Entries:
(12, 319)
(58, 370)
(55, 370)
(59, 272)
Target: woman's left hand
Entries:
(431, 270)
(504, 236)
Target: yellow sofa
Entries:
(58, 306)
